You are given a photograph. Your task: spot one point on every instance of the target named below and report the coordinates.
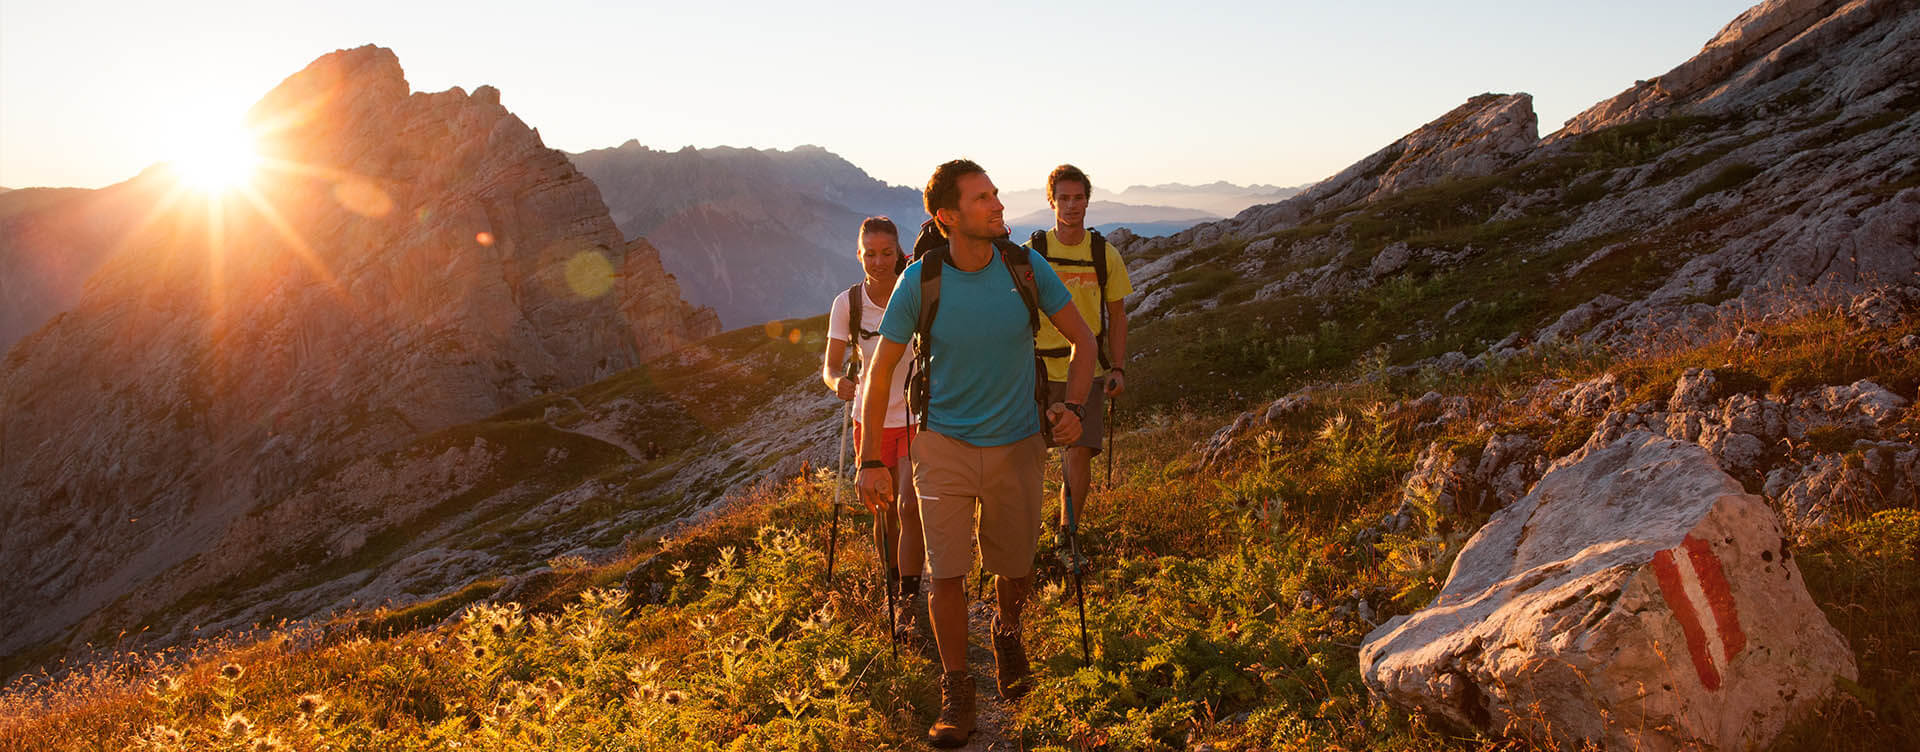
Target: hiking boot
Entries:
(1009, 662)
(955, 723)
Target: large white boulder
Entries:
(1637, 598)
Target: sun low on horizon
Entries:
(221, 158)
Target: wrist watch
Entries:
(872, 464)
(1077, 410)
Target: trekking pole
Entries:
(1110, 401)
(1073, 551)
(886, 582)
(839, 479)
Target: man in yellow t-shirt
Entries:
(1070, 248)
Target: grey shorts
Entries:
(951, 477)
(1094, 425)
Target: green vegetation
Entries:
(1640, 142)
(1731, 176)
(1230, 617)
(1225, 603)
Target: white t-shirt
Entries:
(870, 341)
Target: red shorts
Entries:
(894, 444)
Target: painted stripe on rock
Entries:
(1694, 583)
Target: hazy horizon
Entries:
(91, 93)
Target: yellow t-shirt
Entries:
(1074, 264)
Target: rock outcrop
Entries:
(1487, 133)
(1780, 165)
(425, 261)
(1774, 48)
(1638, 598)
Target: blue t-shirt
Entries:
(981, 372)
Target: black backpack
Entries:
(928, 239)
(1039, 242)
(932, 261)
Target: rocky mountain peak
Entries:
(1779, 55)
(1485, 134)
(418, 261)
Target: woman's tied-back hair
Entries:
(879, 224)
(943, 189)
(1067, 172)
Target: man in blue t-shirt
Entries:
(983, 445)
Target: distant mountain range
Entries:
(756, 234)
(764, 234)
(1150, 210)
(1106, 216)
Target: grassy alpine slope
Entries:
(1225, 605)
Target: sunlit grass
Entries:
(1225, 604)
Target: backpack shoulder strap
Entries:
(1039, 241)
(855, 307)
(919, 378)
(931, 262)
(1020, 266)
(1100, 263)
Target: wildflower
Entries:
(232, 671)
(831, 671)
(312, 704)
(163, 686)
(645, 670)
(552, 686)
(479, 653)
(645, 693)
(268, 743)
(674, 697)
(794, 700)
(165, 737)
(679, 568)
(235, 724)
(498, 629)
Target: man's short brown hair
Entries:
(1067, 172)
(943, 189)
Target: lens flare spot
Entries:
(483, 238)
(793, 336)
(589, 274)
(362, 197)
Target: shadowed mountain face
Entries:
(756, 234)
(416, 261)
(52, 239)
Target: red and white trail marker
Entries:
(1695, 586)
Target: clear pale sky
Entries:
(1277, 92)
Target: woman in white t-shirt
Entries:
(881, 259)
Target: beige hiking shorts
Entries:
(952, 477)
